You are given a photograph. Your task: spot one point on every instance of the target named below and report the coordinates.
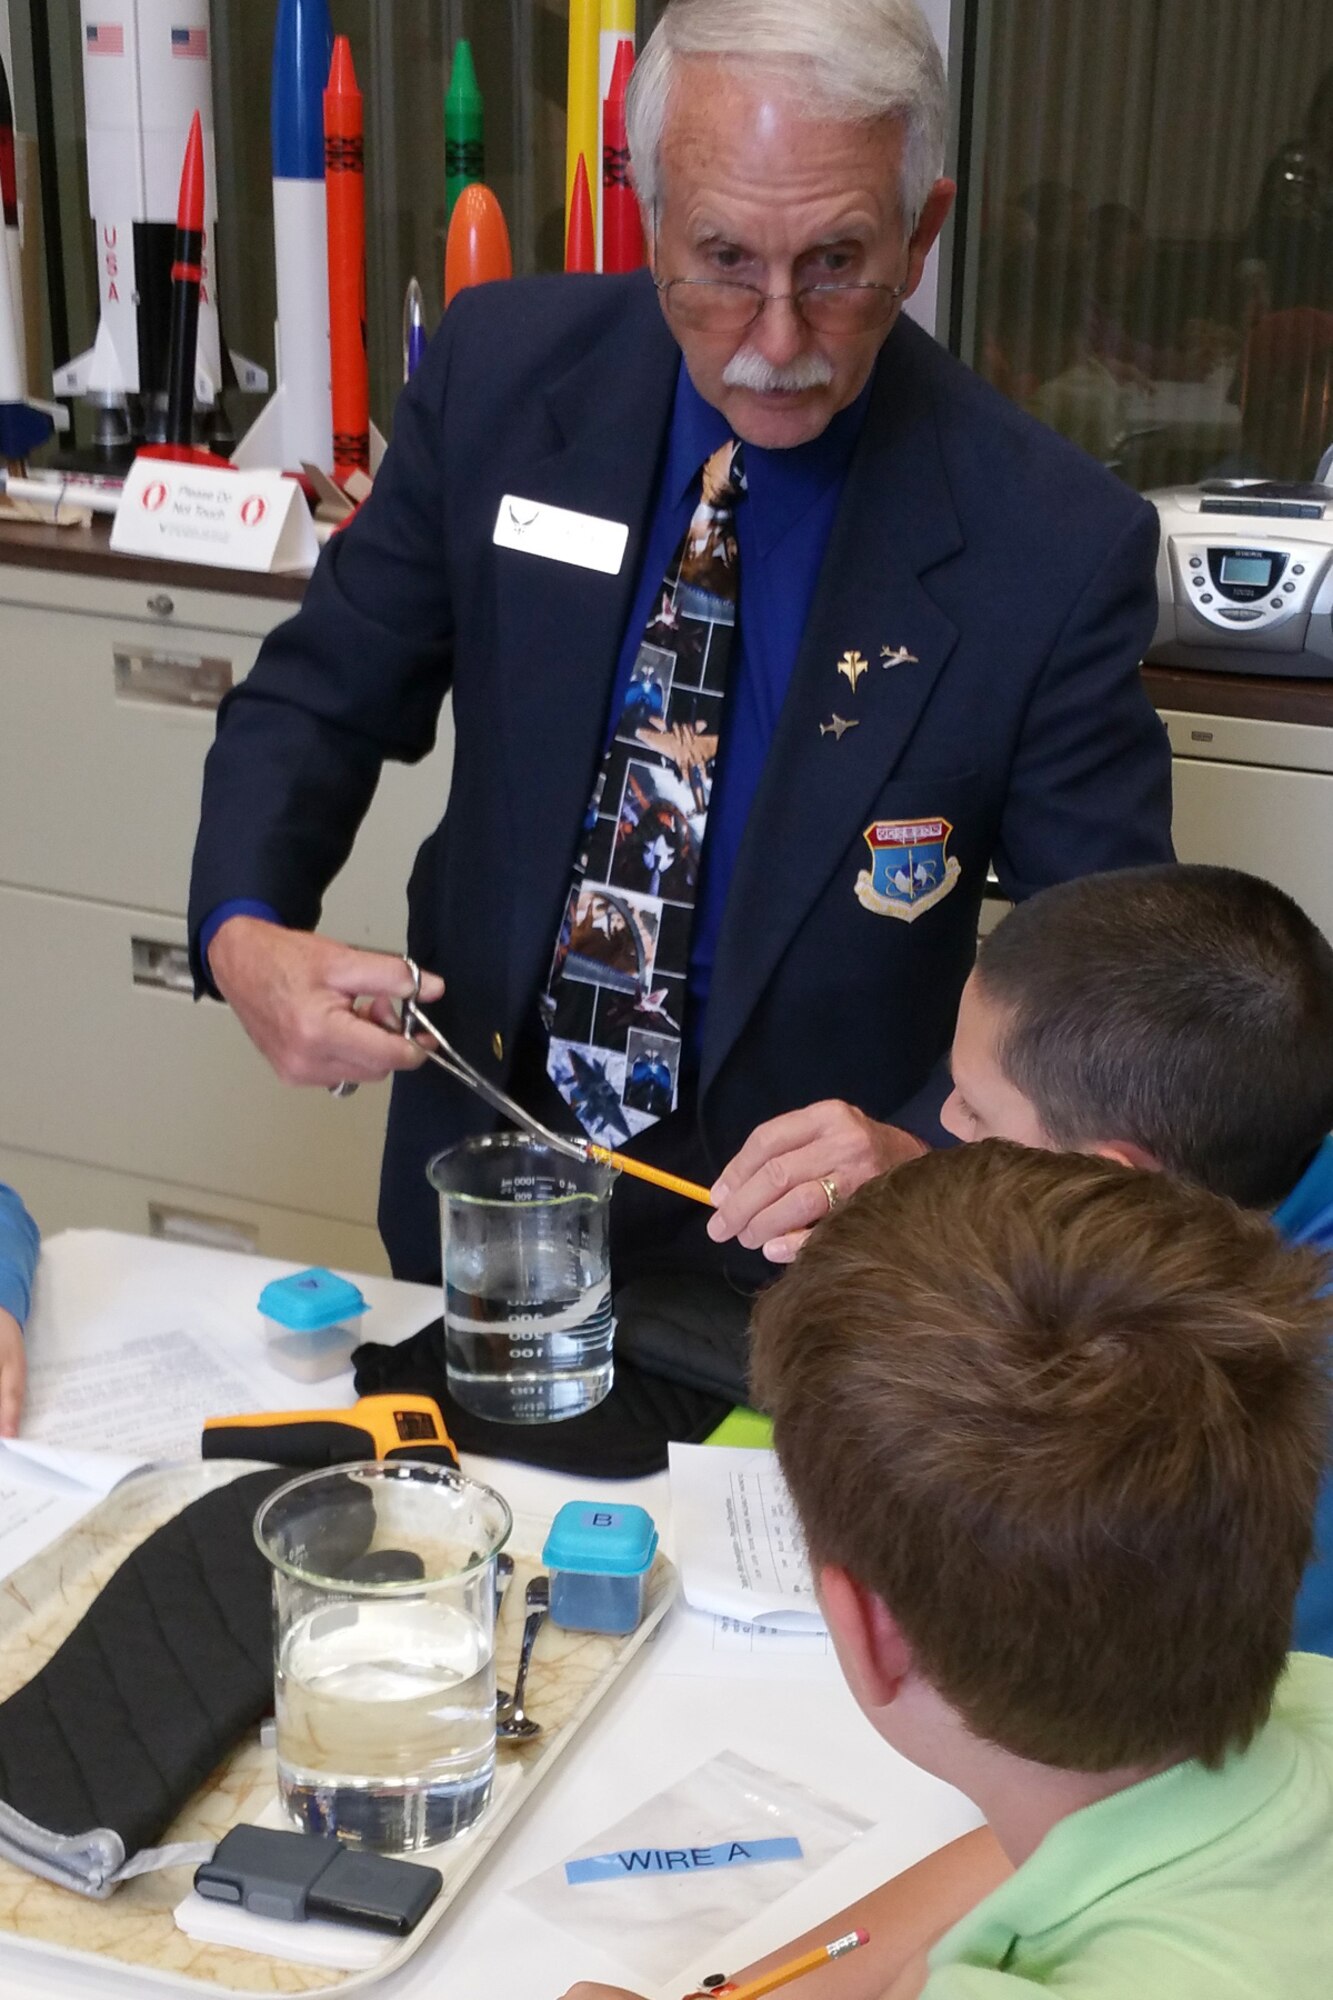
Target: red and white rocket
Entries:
(147, 70)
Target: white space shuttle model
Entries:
(147, 68)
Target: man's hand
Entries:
(13, 1374)
(772, 1194)
(318, 1010)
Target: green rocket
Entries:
(464, 129)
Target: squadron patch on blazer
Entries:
(910, 870)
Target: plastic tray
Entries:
(134, 1928)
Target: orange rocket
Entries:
(477, 249)
(345, 193)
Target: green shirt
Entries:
(1194, 1885)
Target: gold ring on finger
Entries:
(830, 1187)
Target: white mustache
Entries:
(747, 369)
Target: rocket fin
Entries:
(266, 443)
(72, 379)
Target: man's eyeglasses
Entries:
(720, 305)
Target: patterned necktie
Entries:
(615, 999)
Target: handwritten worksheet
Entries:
(738, 1541)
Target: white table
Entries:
(655, 1726)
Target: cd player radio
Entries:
(1245, 578)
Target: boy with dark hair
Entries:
(1175, 1017)
(1057, 1487)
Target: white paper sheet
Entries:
(712, 1647)
(44, 1490)
(738, 1542)
(144, 1395)
(31, 1516)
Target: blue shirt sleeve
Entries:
(240, 907)
(18, 1255)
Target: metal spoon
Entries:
(512, 1725)
(504, 1573)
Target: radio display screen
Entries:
(1246, 569)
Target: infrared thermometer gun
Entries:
(393, 1425)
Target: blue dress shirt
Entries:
(782, 526)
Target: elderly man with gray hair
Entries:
(769, 628)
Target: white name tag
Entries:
(212, 514)
(559, 535)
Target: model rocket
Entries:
(622, 225)
(477, 249)
(583, 118)
(9, 203)
(414, 329)
(616, 28)
(146, 72)
(295, 427)
(464, 129)
(345, 192)
(186, 279)
(23, 424)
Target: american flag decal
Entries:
(107, 40)
(191, 44)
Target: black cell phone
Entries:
(297, 1876)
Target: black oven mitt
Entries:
(164, 1674)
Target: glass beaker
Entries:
(525, 1242)
(384, 1650)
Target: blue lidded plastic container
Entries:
(312, 1321)
(599, 1558)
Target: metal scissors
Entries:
(444, 1053)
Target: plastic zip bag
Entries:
(649, 1882)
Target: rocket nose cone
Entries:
(342, 74)
(190, 207)
(621, 72)
(580, 240)
(477, 250)
(302, 52)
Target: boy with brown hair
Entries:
(1054, 1430)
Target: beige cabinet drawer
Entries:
(104, 726)
(124, 1072)
(1278, 824)
(62, 1194)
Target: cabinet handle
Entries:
(172, 680)
(211, 1232)
(161, 605)
(165, 967)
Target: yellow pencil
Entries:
(584, 126)
(795, 1968)
(642, 1172)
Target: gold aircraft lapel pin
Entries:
(853, 666)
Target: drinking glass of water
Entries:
(384, 1650)
(527, 1278)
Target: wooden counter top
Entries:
(87, 552)
(1257, 697)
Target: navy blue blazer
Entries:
(1011, 577)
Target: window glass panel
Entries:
(1150, 263)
